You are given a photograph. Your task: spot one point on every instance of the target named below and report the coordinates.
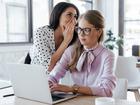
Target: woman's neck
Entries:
(58, 32)
(91, 47)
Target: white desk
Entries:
(4, 84)
(80, 100)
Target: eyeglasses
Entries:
(86, 31)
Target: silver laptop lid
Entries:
(30, 82)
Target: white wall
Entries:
(110, 10)
(11, 54)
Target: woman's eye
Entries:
(87, 29)
(70, 15)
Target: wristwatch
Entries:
(75, 88)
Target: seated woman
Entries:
(90, 63)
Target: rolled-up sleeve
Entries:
(61, 67)
(107, 82)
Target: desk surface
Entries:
(80, 100)
(4, 84)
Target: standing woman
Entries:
(90, 63)
(51, 41)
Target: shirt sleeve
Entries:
(61, 67)
(107, 81)
(42, 48)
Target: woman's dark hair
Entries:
(57, 12)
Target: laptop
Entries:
(31, 82)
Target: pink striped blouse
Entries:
(97, 75)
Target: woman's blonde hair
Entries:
(95, 18)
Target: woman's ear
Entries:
(100, 31)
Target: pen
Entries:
(8, 95)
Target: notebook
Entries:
(4, 84)
(31, 82)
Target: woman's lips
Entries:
(82, 39)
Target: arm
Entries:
(107, 81)
(61, 67)
(105, 84)
(57, 55)
(41, 48)
(45, 53)
(46, 56)
(68, 35)
(65, 88)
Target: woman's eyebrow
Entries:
(70, 13)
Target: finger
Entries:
(50, 83)
(69, 22)
(71, 28)
(75, 21)
(73, 24)
(53, 88)
(63, 28)
(50, 86)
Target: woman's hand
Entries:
(50, 84)
(69, 30)
(61, 88)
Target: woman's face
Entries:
(68, 15)
(88, 34)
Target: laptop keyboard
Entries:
(55, 97)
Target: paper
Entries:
(104, 101)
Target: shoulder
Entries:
(70, 48)
(44, 32)
(44, 29)
(106, 52)
(69, 51)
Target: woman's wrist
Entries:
(65, 44)
(70, 89)
(75, 89)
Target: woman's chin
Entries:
(84, 44)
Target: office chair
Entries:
(120, 91)
(126, 68)
(135, 50)
(26, 59)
